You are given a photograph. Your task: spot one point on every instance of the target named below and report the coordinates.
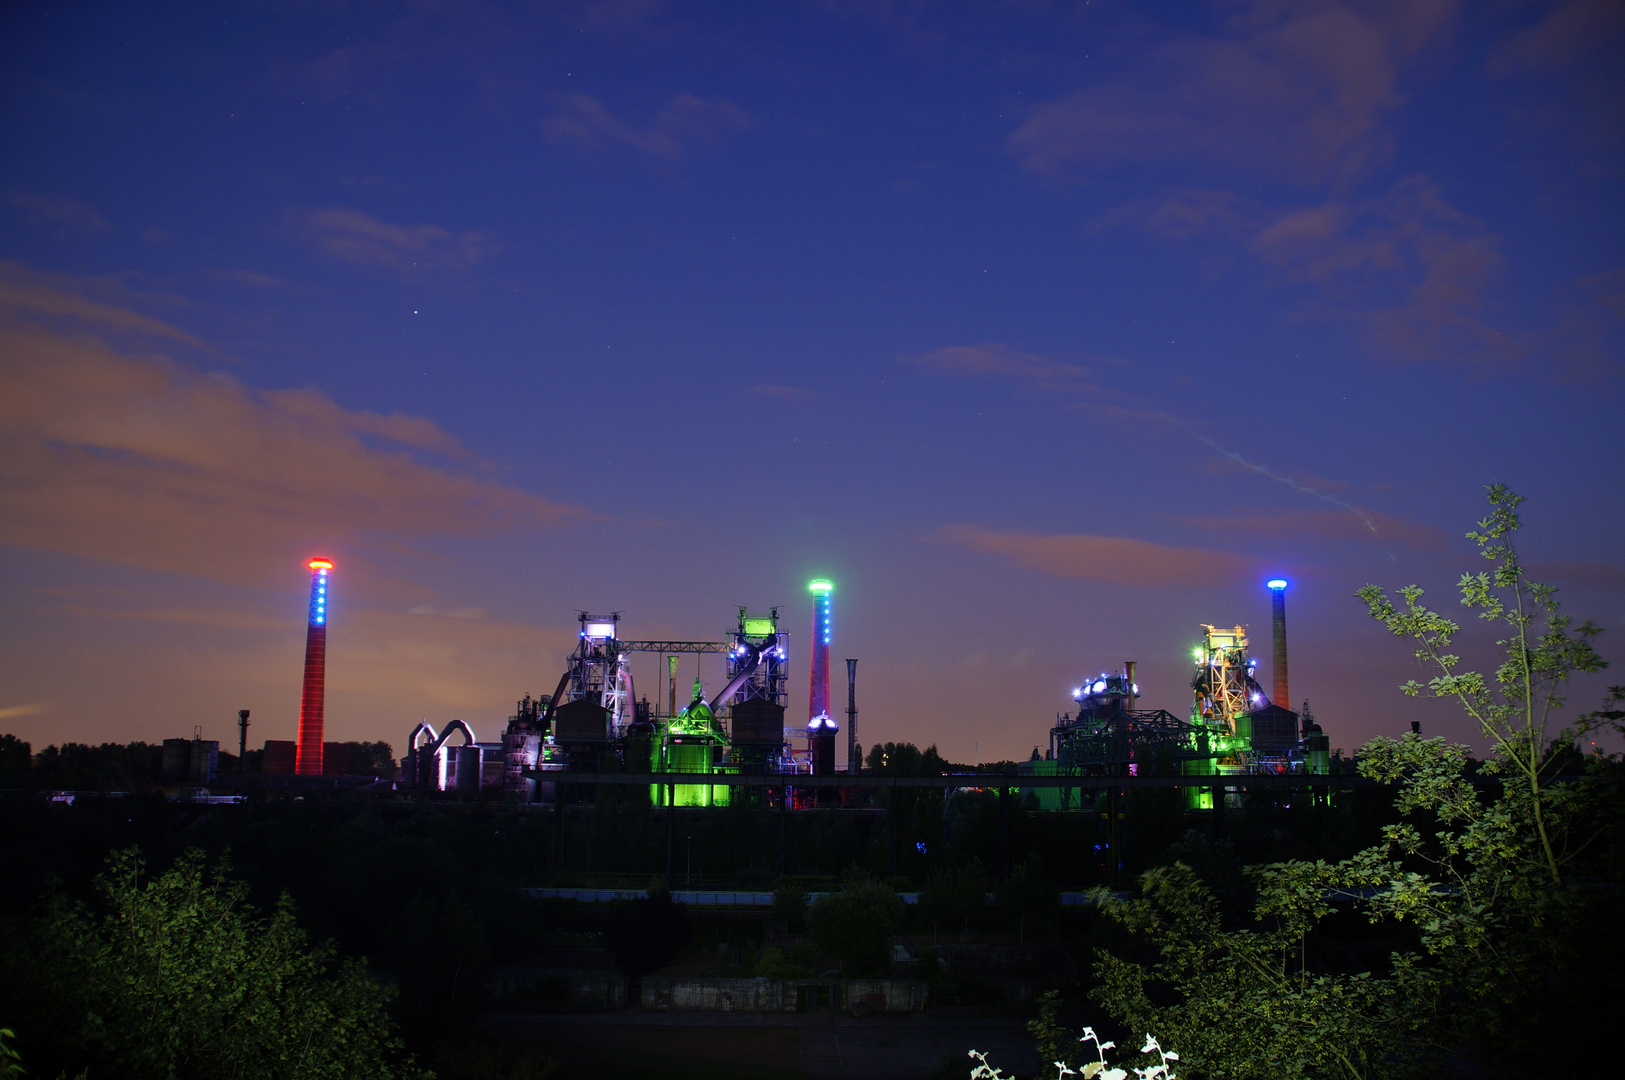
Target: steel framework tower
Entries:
(818, 696)
(768, 679)
(308, 753)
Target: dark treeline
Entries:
(138, 766)
(426, 891)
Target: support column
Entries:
(671, 832)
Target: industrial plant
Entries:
(735, 743)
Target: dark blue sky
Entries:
(1047, 330)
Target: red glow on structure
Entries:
(313, 699)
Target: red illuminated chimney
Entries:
(818, 696)
(308, 759)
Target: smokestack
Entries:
(671, 673)
(818, 693)
(308, 753)
(242, 741)
(1128, 674)
(852, 716)
(1282, 695)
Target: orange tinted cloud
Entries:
(354, 237)
(145, 462)
(1002, 362)
(1117, 560)
(1410, 267)
(685, 121)
(1407, 268)
(173, 666)
(1293, 90)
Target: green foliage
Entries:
(1029, 900)
(371, 758)
(954, 895)
(1214, 862)
(16, 762)
(1056, 1044)
(1486, 938)
(11, 1062)
(856, 923)
(1541, 652)
(774, 964)
(134, 766)
(905, 759)
(790, 904)
(179, 977)
(1610, 717)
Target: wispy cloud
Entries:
(252, 279)
(688, 120)
(1294, 91)
(1407, 269)
(1603, 577)
(355, 237)
(1071, 383)
(57, 210)
(1329, 524)
(1117, 560)
(1570, 31)
(145, 462)
(28, 296)
(994, 360)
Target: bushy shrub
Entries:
(178, 977)
(855, 925)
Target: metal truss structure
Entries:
(770, 680)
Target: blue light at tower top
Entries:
(1277, 583)
(318, 591)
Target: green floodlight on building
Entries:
(756, 627)
(821, 586)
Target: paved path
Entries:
(832, 1046)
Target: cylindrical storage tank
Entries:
(821, 741)
(468, 770)
(522, 751)
(1317, 753)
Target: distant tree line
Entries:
(138, 766)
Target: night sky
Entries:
(1047, 331)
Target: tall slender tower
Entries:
(852, 763)
(818, 698)
(1277, 587)
(308, 754)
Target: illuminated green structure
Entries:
(1233, 729)
(690, 742)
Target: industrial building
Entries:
(595, 722)
(1233, 729)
